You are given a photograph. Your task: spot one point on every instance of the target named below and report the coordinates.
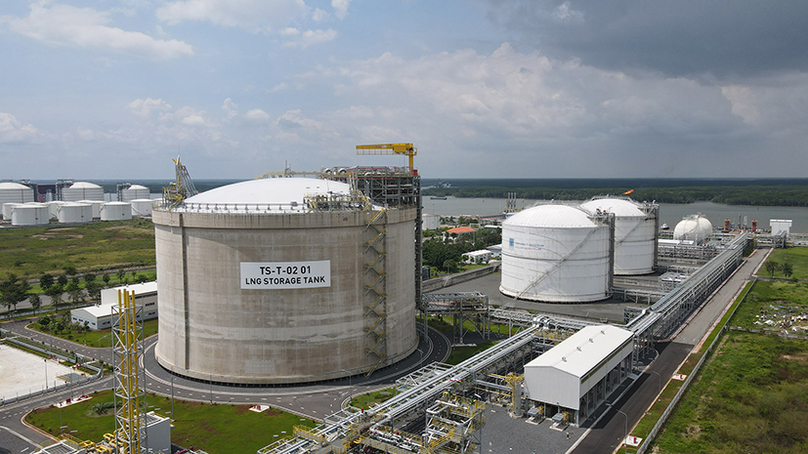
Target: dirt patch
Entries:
(800, 357)
(693, 431)
(117, 227)
(273, 412)
(61, 229)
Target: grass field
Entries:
(33, 251)
(752, 394)
(365, 401)
(796, 256)
(100, 338)
(219, 429)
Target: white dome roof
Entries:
(694, 228)
(619, 207)
(12, 185)
(137, 186)
(551, 216)
(84, 185)
(271, 191)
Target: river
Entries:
(669, 213)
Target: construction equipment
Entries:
(176, 192)
(388, 148)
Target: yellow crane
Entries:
(388, 148)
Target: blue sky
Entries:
(483, 88)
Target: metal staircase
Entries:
(375, 289)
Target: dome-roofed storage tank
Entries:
(30, 214)
(134, 192)
(11, 192)
(82, 190)
(142, 208)
(74, 213)
(8, 207)
(557, 253)
(693, 228)
(284, 280)
(96, 206)
(116, 211)
(53, 208)
(635, 233)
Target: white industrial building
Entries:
(116, 211)
(74, 213)
(430, 221)
(578, 374)
(101, 316)
(779, 226)
(30, 214)
(142, 208)
(476, 257)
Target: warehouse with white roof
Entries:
(583, 371)
(101, 316)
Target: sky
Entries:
(114, 89)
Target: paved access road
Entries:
(607, 435)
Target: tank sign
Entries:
(285, 275)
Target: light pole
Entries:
(626, 432)
(659, 382)
(211, 386)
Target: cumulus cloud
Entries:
(15, 131)
(257, 116)
(252, 15)
(86, 27)
(310, 37)
(280, 87)
(144, 107)
(318, 15)
(230, 108)
(340, 7)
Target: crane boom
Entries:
(388, 148)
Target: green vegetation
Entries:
(33, 251)
(220, 429)
(797, 257)
(446, 255)
(370, 399)
(59, 325)
(460, 354)
(731, 192)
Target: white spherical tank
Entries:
(8, 207)
(134, 192)
(96, 205)
(693, 228)
(82, 190)
(557, 253)
(74, 213)
(11, 192)
(635, 233)
(30, 214)
(142, 208)
(116, 211)
(256, 288)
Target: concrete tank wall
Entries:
(210, 327)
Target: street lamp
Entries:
(626, 432)
(659, 382)
(211, 386)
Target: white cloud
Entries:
(340, 7)
(253, 15)
(230, 108)
(86, 27)
(257, 115)
(311, 37)
(280, 87)
(144, 107)
(14, 131)
(319, 15)
(289, 31)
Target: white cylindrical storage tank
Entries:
(96, 206)
(30, 214)
(7, 209)
(142, 208)
(557, 253)
(255, 288)
(635, 233)
(693, 228)
(116, 211)
(53, 208)
(74, 213)
(11, 192)
(82, 190)
(135, 192)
